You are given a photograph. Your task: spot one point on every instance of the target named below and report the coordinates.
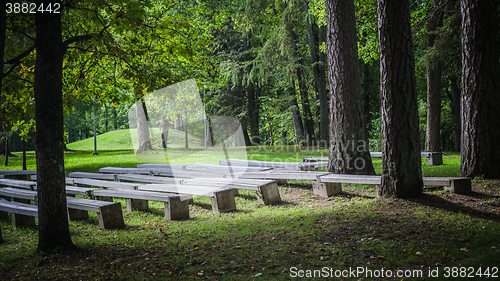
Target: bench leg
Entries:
(111, 216)
(75, 214)
(326, 189)
(136, 204)
(104, 198)
(4, 215)
(223, 201)
(434, 159)
(268, 194)
(177, 209)
(18, 220)
(281, 181)
(460, 186)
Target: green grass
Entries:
(352, 229)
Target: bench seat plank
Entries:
(105, 183)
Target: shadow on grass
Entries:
(438, 202)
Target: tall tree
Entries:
(480, 89)
(401, 161)
(316, 36)
(349, 150)
(433, 130)
(53, 227)
(3, 27)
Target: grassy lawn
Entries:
(350, 231)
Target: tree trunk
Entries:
(433, 130)
(53, 227)
(24, 154)
(401, 160)
(142, 127)
(253, 113)
(115, 119)
(185, 123)
(306, 109)
(318, 69)
(164, 132)
(7, 150)
(297, 120)
(349, 150)
(480, 89)
(455, 110)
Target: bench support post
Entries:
(268, 194)
(111, 216)
(177, 209)
(4, 215)
(281, 181)
(136, 204)
(223, 201)
(326, 189)
(104, 198)
(434, 159)
(75, 214)
(18, 220)
(460, 186)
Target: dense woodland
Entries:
(261, 61)
(295, 72)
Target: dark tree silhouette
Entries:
(401, 161)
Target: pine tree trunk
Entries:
(306, 109)
(53, 227)
(297, 120)
(433, 130)
(253, 113)
(318, 70)
(349, 150)
(401, 160)
(455, 111)
(480, 89)
(186, 143)
(115, 119)
(142, 127)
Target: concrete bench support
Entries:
(18, 220)
(111, 216)
(177, 209)
(326, 189)
(75, 214)
(223, 201)
(268, 194)
(136, 204)
(460, 186)
(434, 159)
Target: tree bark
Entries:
(480, 89)
(164, 132)
(297, 120)
(455, 110)
(53, 228)
(142, 127)
(306, 109)
(433, 130)
(186, 143)
(253, 113)
(349, 150)
(401, 160)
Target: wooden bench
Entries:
(21, 214)
(176, 207)
(282, 176)
(267, 191)
(222, 198)
(164, 172)
(260, 164)
(104, 183)
(94, 176)
(109, 214)
(331, 184)
(31, 185)
(431, 158)
(17, 174)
